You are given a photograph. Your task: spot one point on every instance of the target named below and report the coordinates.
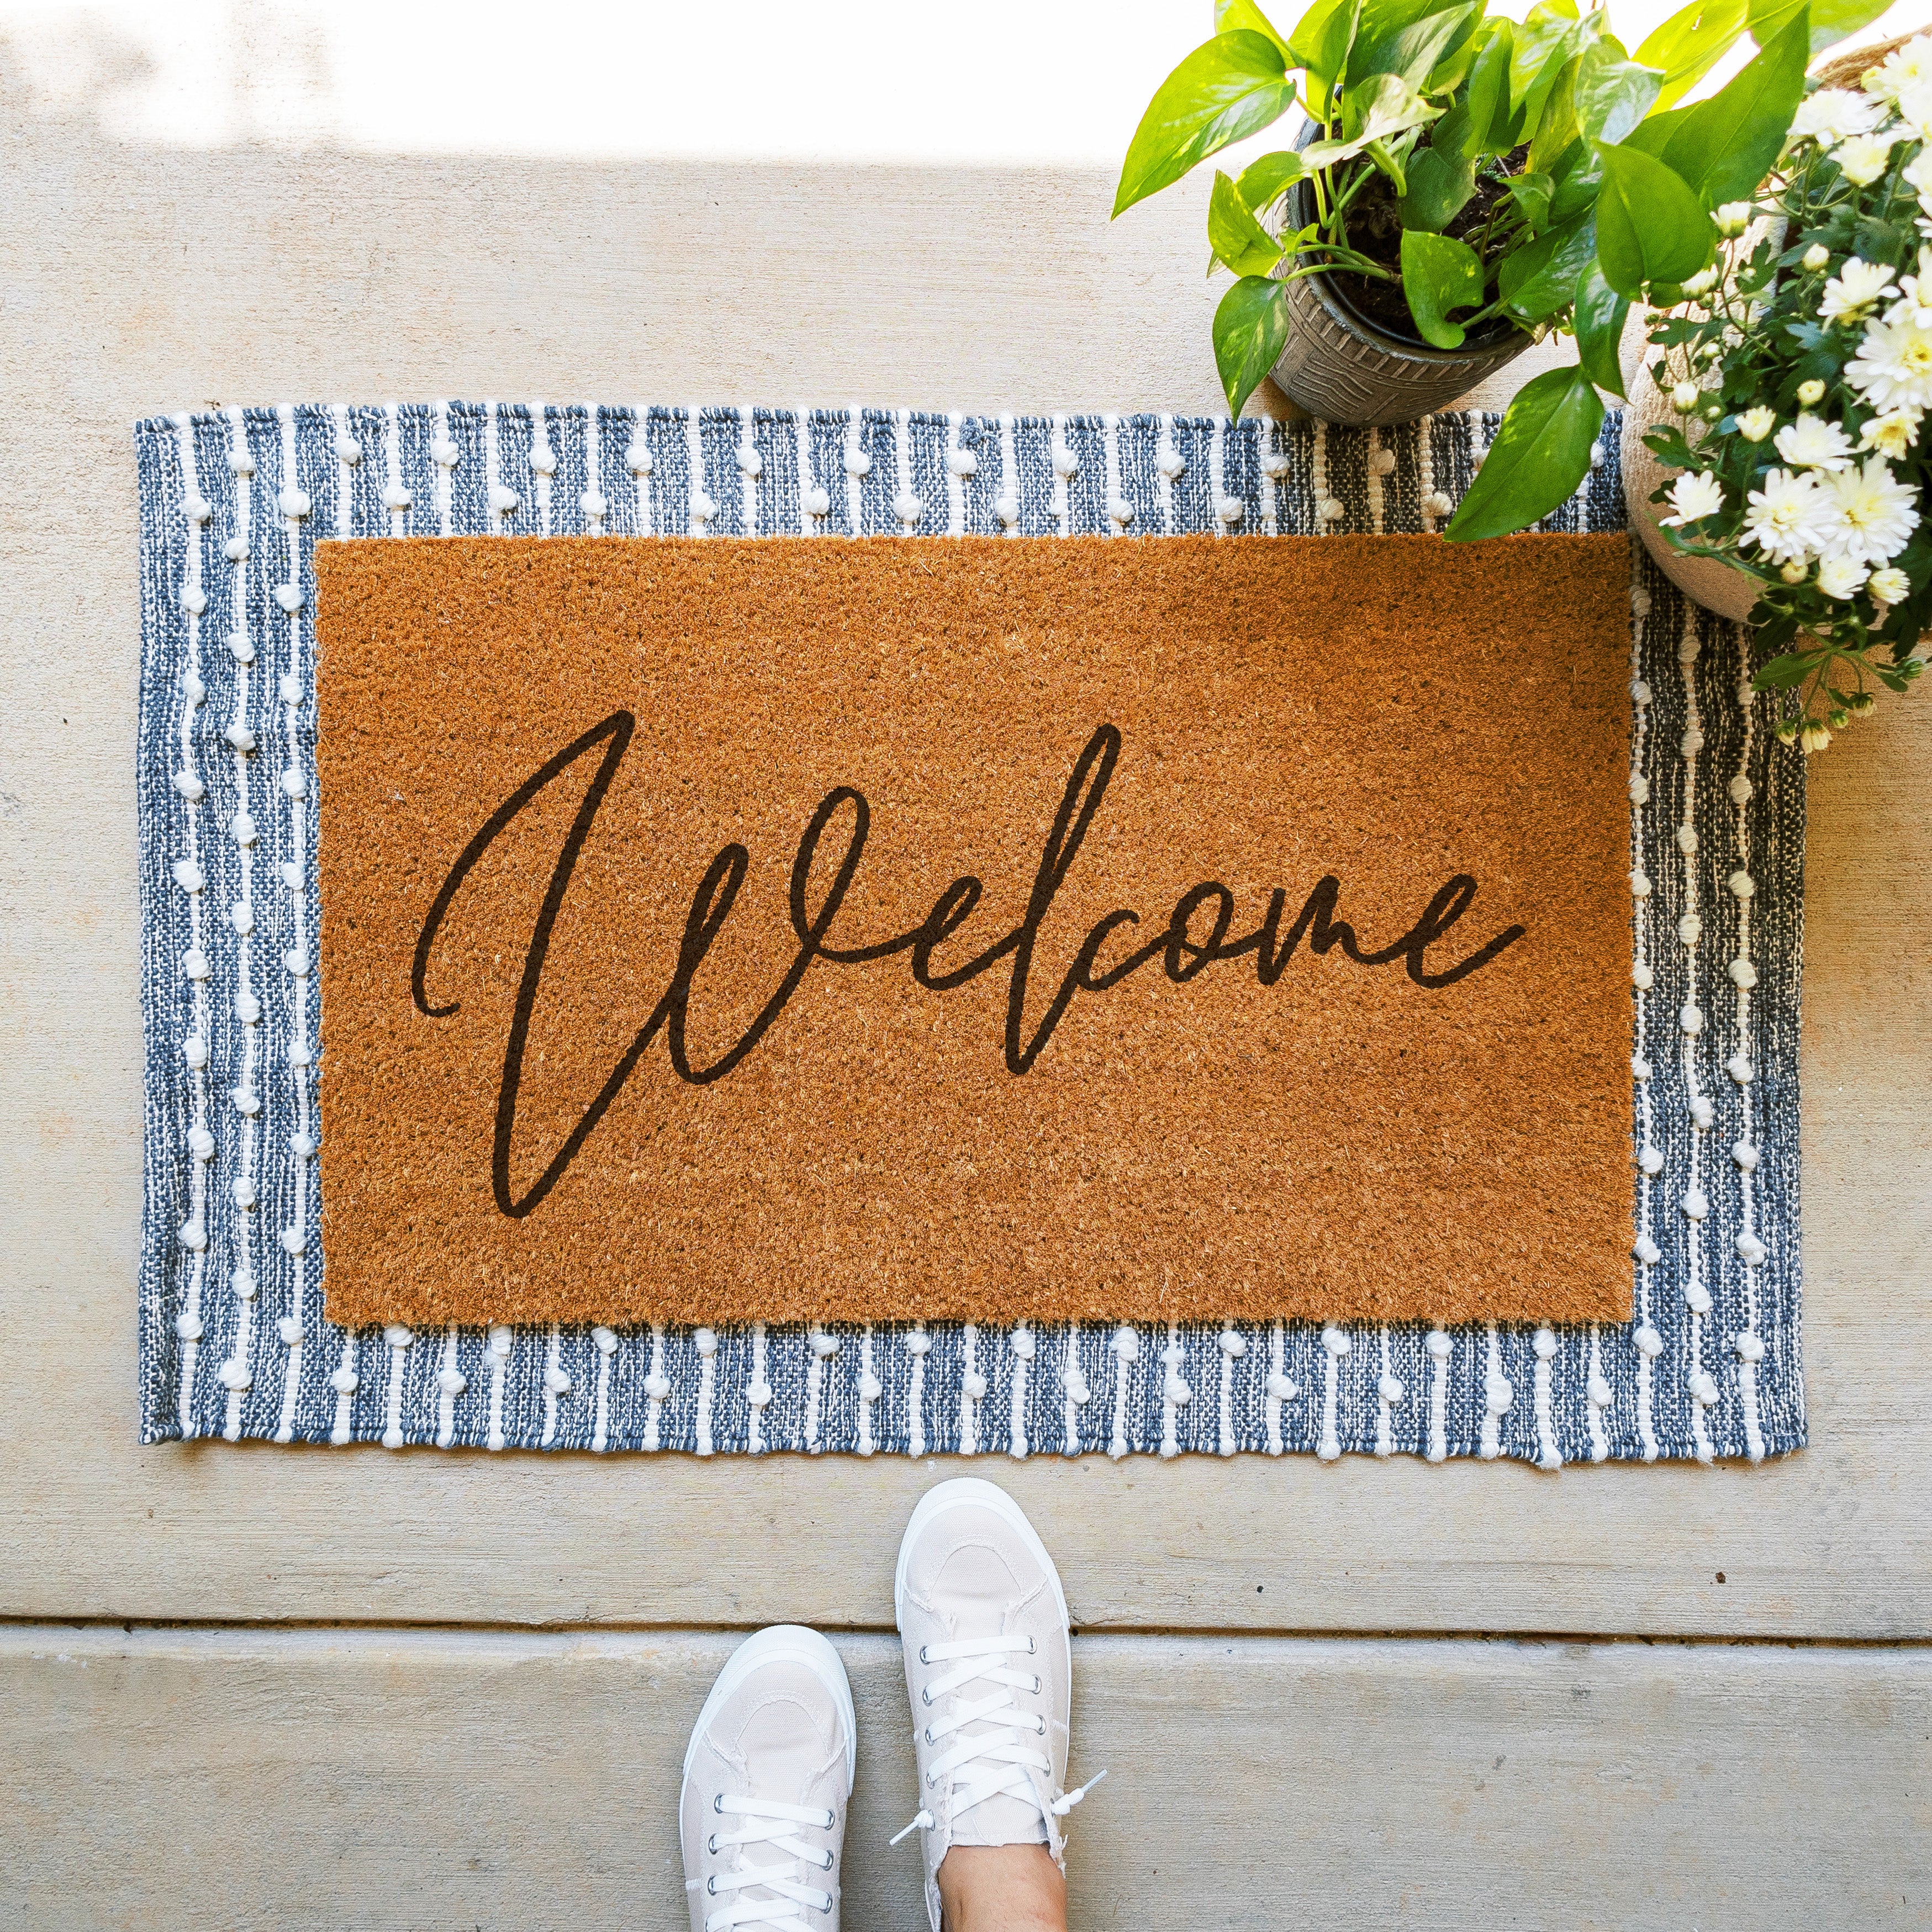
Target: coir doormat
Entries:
(754, 931)
(234, 1339)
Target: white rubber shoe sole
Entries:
(791, 1643)
(977, 1490)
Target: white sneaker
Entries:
(989, 1670)
(766, 1776)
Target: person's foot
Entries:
(766, 1776)
(989, 1670)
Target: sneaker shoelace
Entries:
(995, 1763)
(769, 1823)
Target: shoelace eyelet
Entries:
(1031, 1646)
(717, 1804)
(925, 1698)
(1036, 1683)
(923, 1657)
(711, 1844)
(827, 1865)
(711, 1887)
(929, 1738)
(1040, 1726)
(830, 1820)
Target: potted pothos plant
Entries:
(1463, 186)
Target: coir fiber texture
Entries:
(240, 1012)
(731, 931)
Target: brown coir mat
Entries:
(723, 931)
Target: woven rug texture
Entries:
(233, 1341)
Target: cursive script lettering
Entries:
(1194, 937)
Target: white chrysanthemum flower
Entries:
(1733, 217)
(1854, 289)
(1915, 294)
(1695, 494)
(1862, 158)
(1811, 390)
(1915, 108)
(1702, 283)
(1813, 443)
(1890, 585)
(1684, 398)
(1917, 175)
(1833, 113)
(1840, 576)
(1815, 257)
(1891, 435)
(1755, 424)
(1786, 518)
(1901, 70)
(1893, 368)
(1813, 738)
(1868, 515)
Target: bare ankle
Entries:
(1002, 1888)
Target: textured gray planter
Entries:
(1344, 370)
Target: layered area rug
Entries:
(235, 1341)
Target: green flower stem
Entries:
(1822, 694)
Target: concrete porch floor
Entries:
(246, 1686)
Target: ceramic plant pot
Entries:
(1342, 368)
(1716, 585)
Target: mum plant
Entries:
(1804, 375)
(1469, 179)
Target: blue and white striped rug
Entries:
(233, 1341)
